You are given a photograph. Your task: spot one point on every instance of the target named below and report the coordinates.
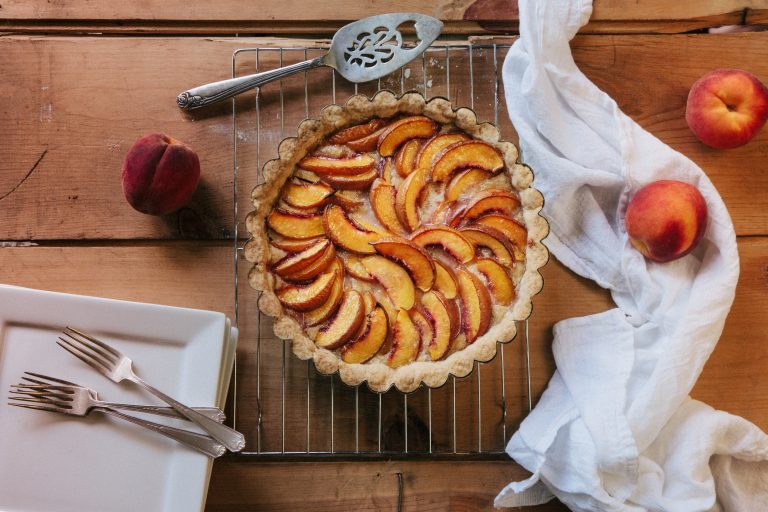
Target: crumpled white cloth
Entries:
(616, 430)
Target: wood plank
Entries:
(744, 343)
(60, 165)
(272, 16)
(195, 274)
(199, 274)
(323, 28)
(185, 274)
(239, 486)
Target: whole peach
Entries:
(160, 174)
(726, 108)
(666, 219)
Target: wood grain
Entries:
(273, 16)
(72, 110)
(195, 274)
(239, 486)
(184, 274)
(71, 107)
(742, 345)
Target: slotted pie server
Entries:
(364, 50)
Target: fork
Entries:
(45, 381)
(76, 401)
(114, 365)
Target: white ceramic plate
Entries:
(56, 463)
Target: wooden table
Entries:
(82, 80)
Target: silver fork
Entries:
(117, 367)
(43, 380)
(75, 401)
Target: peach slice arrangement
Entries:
(396, 241)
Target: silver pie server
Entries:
(364, 50)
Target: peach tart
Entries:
(396, 241)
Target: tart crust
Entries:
(311, 132)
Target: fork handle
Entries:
(229, 437)
(219, 91)
(199, 442)
(214, 413)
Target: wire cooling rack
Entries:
(286, 409)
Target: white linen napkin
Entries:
(616, 429)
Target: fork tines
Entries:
(41, 389)
(46, 378)
(89, 350)
(48, 397)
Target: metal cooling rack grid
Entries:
(289, 411)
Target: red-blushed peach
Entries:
(160, 174)
(726, 108)
(356, 132)
(666, 219)
(406, 341)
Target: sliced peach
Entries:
(304, 175)
(415, 259)
(383, 196)
(344, 324)
(338, 166)
(300, 194)
(405, 161)
(334, 151)
(454, 214)
(445, 280)
(449, 213)
(423, 325)
(438, 216)
(368, 343)
(367, 143)
(292, 210)
(493, 240)
(405, 341)
(435, 145)
(355, 268)
(407, 199)
(501, 285)
(324, 312)
(475, 305)
(445, 323)
(492, 201)
(450, 240)
(403, 130)
(351, 182)
(347, 199)
(385, 302)
(464, 181)
(315, 268)
(369, 300)
(368, 225)
(394, 278)
(305, 297)
(515, 232)
(455, 314)
(345, 233)
(291, 245)
(292, 225)
(386, 169)
(470, 153)
(356, 132)
(298, 261)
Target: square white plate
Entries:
(56, 463)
